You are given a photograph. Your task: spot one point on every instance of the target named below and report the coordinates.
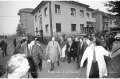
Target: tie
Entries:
(53, 42)
(30, 50)
(94, 56)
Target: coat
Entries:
(81, 50)
(100, 52)
(63, 51)
(36, 52)
(72, 52)
(53, 51)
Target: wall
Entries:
(65, 18)
(45, 20)
(97, 24)
(27, 21)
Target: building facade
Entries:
(56, 17)
(27, 21)
(104, 21)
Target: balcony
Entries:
(106, 21)
(91, 20)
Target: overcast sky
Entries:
(9, 9)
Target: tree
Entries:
(19, 30)
(114, 7)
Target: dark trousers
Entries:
(4, 52)
(94, 71)
(40, 64)
(33, 67)
(79, 57)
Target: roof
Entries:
(77, 3)
(28, 10)
(71, 2)
(103, 13)
(39, 6)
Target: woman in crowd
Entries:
(18, 67)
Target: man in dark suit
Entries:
(81, 48)
(3, 46)
(70, 49)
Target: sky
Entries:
(9, 18)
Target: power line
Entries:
(9, 16)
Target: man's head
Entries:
(53, 38)
(69, 39)
(81, 40)
(17, 66)
(76, 39)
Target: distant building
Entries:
(69, 17)
(26, 20)
(104, 21)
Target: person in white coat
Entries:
(63, 52)
(90, 54)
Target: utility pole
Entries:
(26, 23)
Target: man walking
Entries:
(53, 52)
(81, 48)
(96, 66)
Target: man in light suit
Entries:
(53, 52)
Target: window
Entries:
(73, 12)
(45, 11)
(35, 17)
(110, 21)
(88, 15)
(36, 30)
(39, 11)
(81, 13)
(73, 27)
(81, 26)
(58, 27)
(57, 8)
(47, 29)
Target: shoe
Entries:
(51, 69)
(78, 68)
(52, 66)
(58, 63)
(68, 61)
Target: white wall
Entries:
(65, 18)
(45, 20)
(27, 21)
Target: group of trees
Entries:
(19, 30)
(114, 7)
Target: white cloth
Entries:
(88, 41)
(31, 45)
(99, 52)
(63, 51)
(48, 60)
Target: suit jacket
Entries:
(72, 52)
(81, 49)
(53, 51)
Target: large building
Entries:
(104, 21)
(26, 21)
(67, 17)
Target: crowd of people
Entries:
(79, 48)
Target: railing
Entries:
(91, 20)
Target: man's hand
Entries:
(81, 65)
